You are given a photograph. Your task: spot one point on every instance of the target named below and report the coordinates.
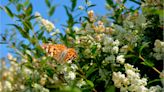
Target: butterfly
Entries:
(60, 52)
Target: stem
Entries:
(155, 69)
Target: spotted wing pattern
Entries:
(60, 52)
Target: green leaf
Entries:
(143, 46)
(29, 10)
(155, 80)
(19, 7)
(110, 89)
(32, 17)
(40, 35)
(92, 69)
(90, 83)
(92, 5)
(22, 32)
(74, 3)
(70, 20)
(110, 2)
(52, 10)
(48, 3)
(8, 11)
(27, 25)
(148, 63)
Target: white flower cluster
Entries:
(80, 83)
(47, 24)
(69, 71)
(39, 88)
(110, 45)
(9, 83)
(131, 81)
(158, 49)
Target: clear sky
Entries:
(59, 15)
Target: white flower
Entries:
(157, 43)
(141, 89)
(74, 66)
(132, 81)
(57, 31)
(108, 40)
(124, 49)
(116, 43)
(155, 89)
(76, 28)
(9, 56)
(7, 86)
(55, 77)
(118, 79)
(37, 14)
(71, 75)
(115, 49)
(22, 87)
(27, 71)
(120, 59)
(47, 24)
(80, 83)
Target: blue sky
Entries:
(59, 15)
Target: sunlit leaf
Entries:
(19, 7)
(148, 63)
(48, 3)
(29, 10)
(8, 11)
(52, 10)
(90, 83)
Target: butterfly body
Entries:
(60, 52)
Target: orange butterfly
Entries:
(60, 52)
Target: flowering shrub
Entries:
(94, 54)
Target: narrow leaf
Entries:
(52, 10)
(48, 3)
(74, 3)
(8, 11)
(29, 10)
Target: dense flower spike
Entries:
(131, 81)
(47, 24)
(121, 51)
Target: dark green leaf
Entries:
(23, 32)
(74, 3)
(27, 25)
(135, 1)
(110, 89)
(8, 11)
(19, 7)
(52, 10)
(48, 3)
(92, 5)
(32, 17)
(29, 10)
(21, 16)
(40, 35)
(110, 2)
(92, 69)
(143, 46)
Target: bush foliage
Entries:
(120, 51)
